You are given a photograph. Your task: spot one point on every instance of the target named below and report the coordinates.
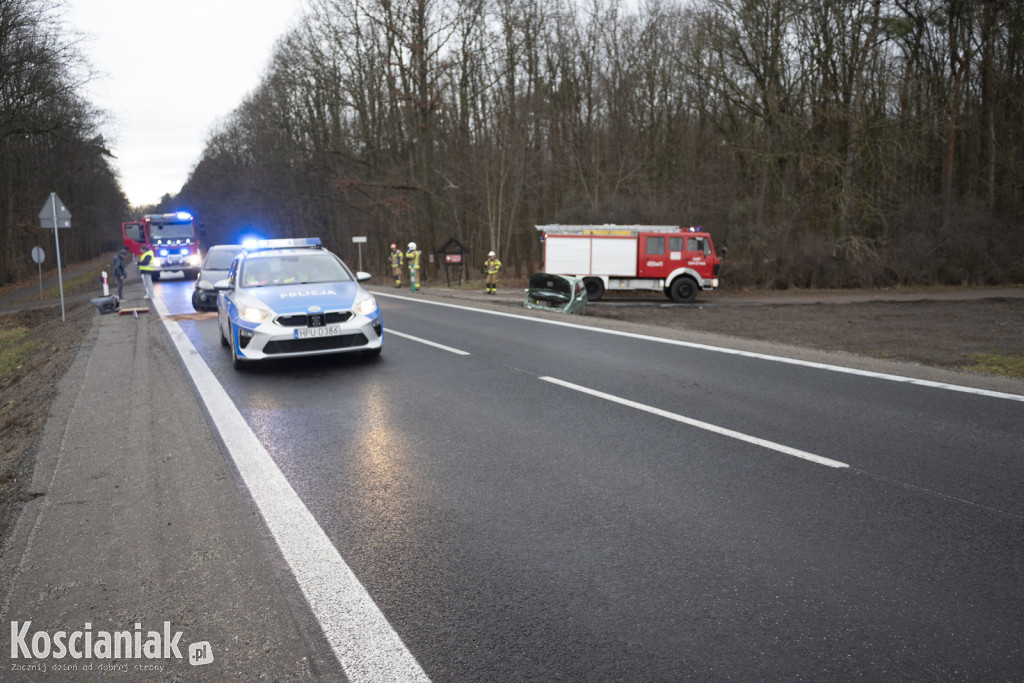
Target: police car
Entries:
(292, 297)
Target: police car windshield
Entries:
(274, 270)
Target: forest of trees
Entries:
(827, 143)
(50, 141)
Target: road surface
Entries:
(523, 500)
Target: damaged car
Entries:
(560, 293)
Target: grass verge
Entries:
(1011, 365)
(15, 346)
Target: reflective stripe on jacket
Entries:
(414, 259)
(492, 266)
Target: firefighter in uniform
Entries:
(146, 271)
(396, 264)
(412, 257)
(491, 266)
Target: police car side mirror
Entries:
(222, 286)
(362, 277)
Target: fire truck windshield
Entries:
(171, 231)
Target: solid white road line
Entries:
(361, 637)
(391, 330)
(701, 425)
(722, 349)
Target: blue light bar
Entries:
(300, 242)
(184, 216)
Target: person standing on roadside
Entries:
(119, 270)
(491, 266)
(412, 257)
(146, 269)
(396, 264)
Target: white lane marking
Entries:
(735, 352)
(764, 443)
(391, 330)
(361, 637)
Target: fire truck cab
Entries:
(174, 239)
(678, 261)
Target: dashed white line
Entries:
(366, 645)
(764, 443)
(427, 342)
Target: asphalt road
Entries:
(528, 501)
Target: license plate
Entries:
(312, 332)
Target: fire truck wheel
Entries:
(683, 290)
(595, 288)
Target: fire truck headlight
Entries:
(255, 315)
(194, 259)
(157, 262)
(365, 306)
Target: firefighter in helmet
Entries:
(491, 266)
(412, 257)
(396, 260)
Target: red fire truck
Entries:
(174, 239)
(678, 261)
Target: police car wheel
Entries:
(223, 339)
(236, 362)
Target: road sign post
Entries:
(55, 216)
(360, 241)
(38, 255)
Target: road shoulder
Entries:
(134, 517)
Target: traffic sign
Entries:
(38, 255)
(54, 211)
(54, 216)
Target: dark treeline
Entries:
(835, 143)
(50, 142)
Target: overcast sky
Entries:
(168, 70)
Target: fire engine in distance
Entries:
(677, 261)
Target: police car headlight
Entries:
(365, 306)
(252, 314)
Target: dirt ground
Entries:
(931, 327)
(920, 327)
(28, 389)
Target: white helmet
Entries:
(490, 253)
(412, 245)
